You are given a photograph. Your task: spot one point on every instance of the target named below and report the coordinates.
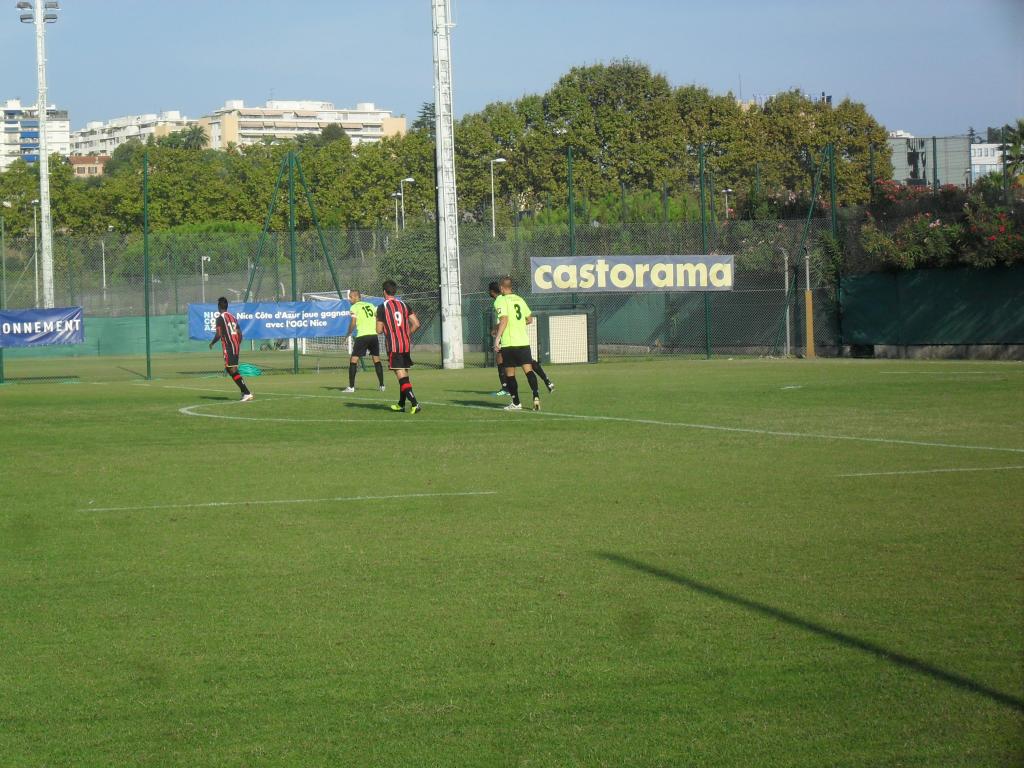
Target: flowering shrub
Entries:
(920, 241)
(992, 236)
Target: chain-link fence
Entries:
(104, 275)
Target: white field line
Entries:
(684, 425)
(255, 502)
(932, 471)
(946, 373)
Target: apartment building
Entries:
(20, 137)
(235, 123)
(103, 137)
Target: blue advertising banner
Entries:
(41, 327)
(592, 274)
(276, 320)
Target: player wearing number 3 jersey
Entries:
(397, 322)
(230, 337)
(512, 340)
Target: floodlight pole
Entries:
(43, 13)
(447, 201)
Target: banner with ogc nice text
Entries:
(41, 327)
(274, 320)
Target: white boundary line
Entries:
(685, 425)
(932, 471)
(255, 502)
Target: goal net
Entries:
(326, 345)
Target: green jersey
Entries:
(365, 316)
(516, 310)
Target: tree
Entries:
(424, 121)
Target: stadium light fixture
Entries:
(401, 194)
(499, 160)
(41, 13)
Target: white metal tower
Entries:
(447, 201)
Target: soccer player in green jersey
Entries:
(364, 321)
(512, 341)
(495, 290)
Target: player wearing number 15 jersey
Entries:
(230, 337)
(397, 322)
(364, 325)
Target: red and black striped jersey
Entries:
(228, 332)
(395, 313)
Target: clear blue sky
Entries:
(927, 66)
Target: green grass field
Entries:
(727, 563)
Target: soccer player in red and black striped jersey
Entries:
(397, 322)
(230, 337)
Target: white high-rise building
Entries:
(102, 138)
(20, 137)
(235, 123)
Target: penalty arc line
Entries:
(706, 427)
(932, 471)
(255, 502)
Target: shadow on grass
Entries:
(213, 397)
(139, 374)
(383, 405)
(898, 659)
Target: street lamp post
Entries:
(202, 275)
(103, 255)
(494, 231)
(35, 246)
(41, 13)
(396, 196)
(726, 192)
(401, 195)
(3, 257)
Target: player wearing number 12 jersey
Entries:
(230, 337)
(397, 322)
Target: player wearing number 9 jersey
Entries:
(230, 337)
(397, 322)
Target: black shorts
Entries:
(516, 357)
(398, 360)
(364, 344)
(230, 358)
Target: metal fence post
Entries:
(145, 260)
(935, 165)
(572, 213)
(293, 250)
(704, 247)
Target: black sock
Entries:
(540, 372)
(237, 378)
(532, 378)
(501, 375)
(406, 387)
(352, 367)
(379, 368)
(513, 389)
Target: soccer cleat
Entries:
(550, 385)
(513, 407)
(501, 393)
(398, 408)
(247, 397)
(381, 387)
(416, 409)
(536, 403)
(349, 389)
